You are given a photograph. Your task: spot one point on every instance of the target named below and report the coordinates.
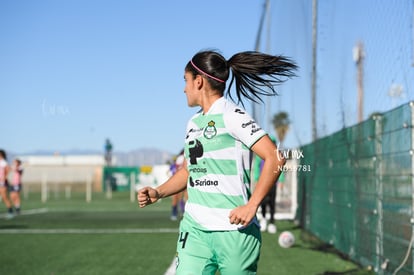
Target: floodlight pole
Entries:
(257, 48)
(314, 51)
(412, 41)
(255, 106)
(359, 56)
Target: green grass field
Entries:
(116, 237)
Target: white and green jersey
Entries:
(217, 150)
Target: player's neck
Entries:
(208, 102)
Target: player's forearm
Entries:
(174, 185)
(270, 173)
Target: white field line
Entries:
(170, 270)
(34, 211)
(90, 231)
(28, 212)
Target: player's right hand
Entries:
(147, 196)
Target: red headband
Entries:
(206, 74)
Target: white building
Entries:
(57, 169)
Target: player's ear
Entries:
(199, 82)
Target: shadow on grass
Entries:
(13, 226)
(348, 272)
(316, 244)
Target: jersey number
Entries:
(183, 239)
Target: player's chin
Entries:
(191, 104)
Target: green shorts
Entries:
(205, 252)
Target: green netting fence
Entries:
(358, 196)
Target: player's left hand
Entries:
(147, 196)
(242, 215)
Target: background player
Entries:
(16, 185)
(179, 199)
(4, 171)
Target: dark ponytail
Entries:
(255, 74)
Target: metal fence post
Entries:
(412, 180)
(379, 188)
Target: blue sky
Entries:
(73, 73)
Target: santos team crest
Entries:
(210, 131)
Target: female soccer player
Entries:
(179, 199)
(16, 186)
(4, 171)
(219, 230)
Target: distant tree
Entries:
(281, 124)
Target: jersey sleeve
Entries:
(243, 127)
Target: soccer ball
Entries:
(286, 239)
